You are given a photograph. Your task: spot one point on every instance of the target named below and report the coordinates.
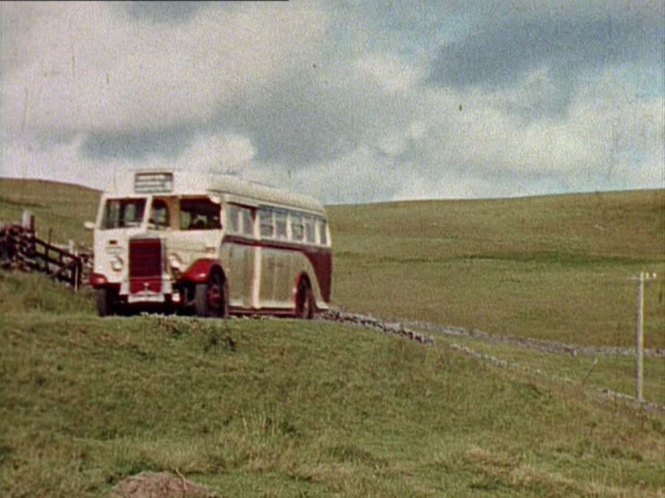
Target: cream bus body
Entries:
(211, 244)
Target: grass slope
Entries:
(557, 267)
(282, 408)
(60, 207)
(286, 408)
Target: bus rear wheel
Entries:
(304, 301)
(211, 298)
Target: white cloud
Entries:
(83, 67)
(474, 144)
(28, 158)
(218, 153)
(225, 153)
(284, 93)
(390, 73)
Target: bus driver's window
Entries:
(159, 215)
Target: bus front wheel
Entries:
(106, 302)
(211, 298)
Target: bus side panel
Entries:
(269, 260)
(282, 267)
(263, 275)
(238, 258)
(322, 264)
(286, 261)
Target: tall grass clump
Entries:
(30, 293)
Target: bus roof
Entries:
(188, 183)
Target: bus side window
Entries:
(280, 224)
(297, 228)
(267, 227)
(309, 230)
(232, 219)
(323, 234)
(247, 221)
(199, 214)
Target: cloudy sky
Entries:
(350, 101)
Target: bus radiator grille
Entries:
(145, 265)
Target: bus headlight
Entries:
(117, 263)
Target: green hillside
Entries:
(281, 408)
(286, 408)
(558, 267)
(60, 207)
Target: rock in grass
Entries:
(159, 485)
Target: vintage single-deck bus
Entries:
(213, 245)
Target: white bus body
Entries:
(171, 240)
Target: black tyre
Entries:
(106, 302)
(212, 299)
(305, 301)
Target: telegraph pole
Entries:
(644, 276)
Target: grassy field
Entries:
(60, 207)
(558, 268)
(600, 371)
(286, 408)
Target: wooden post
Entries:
(28, 221)
(74, 277)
